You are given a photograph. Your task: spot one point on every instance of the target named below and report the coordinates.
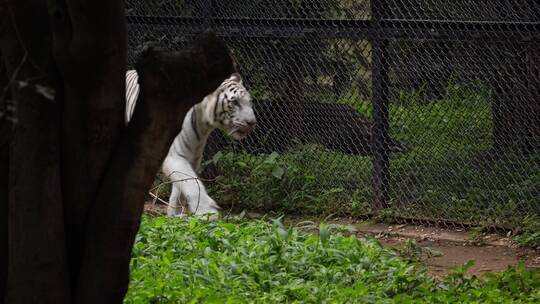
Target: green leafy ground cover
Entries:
(195, 261)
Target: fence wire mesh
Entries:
(415, 109)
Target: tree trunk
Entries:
(70, 151)
(89, 47)
(37, 271)
(5, 131)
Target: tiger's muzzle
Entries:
(245, 129)
(249, 127)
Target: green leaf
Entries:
(271, 159)
(217, 157)
(278, 172)
(241, 164)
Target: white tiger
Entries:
(229, 108)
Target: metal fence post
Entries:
(209, 15)
(381, 174)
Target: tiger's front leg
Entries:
(187, 188)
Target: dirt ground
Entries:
(441, 248)
(491, 252)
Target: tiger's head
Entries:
(233, 110)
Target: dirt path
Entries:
(488, 258)
(491, 252)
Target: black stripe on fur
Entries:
(194, 122)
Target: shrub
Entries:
(291, 183)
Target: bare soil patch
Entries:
(491, 252)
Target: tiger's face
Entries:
(233, 110)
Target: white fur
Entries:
(185, 154)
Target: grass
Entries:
(195, 261)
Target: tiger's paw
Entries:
(207, 216)
(205, 208)
(172, 212)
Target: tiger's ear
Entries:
(236, 77)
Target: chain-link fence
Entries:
(418, 109)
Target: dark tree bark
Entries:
(78, 177)
(5, 131)
(89, 46)
(36, 239)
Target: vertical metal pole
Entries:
(209, 14)
(532, 138)
(381, 163)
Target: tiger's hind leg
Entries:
(188, 187)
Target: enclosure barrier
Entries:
(415, 109)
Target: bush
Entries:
(530, 235)
(291, 183)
